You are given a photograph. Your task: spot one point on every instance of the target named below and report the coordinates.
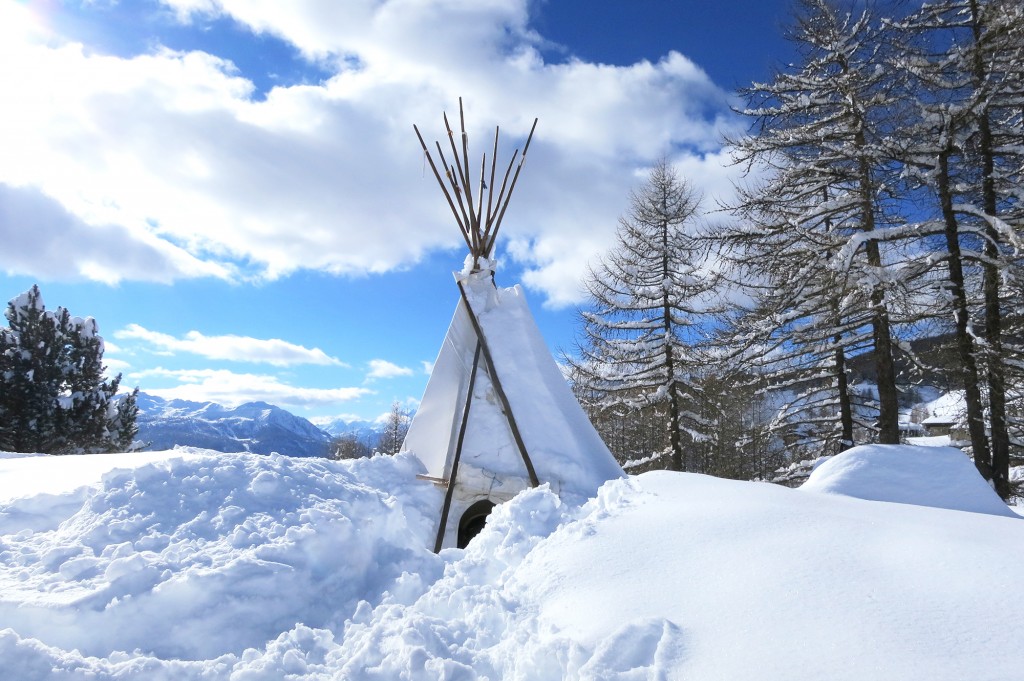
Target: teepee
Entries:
(497, 416)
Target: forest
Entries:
(873, 248)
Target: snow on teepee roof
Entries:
(497, 415)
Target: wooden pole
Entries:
(501, 196)
(490, 186)
(499, 390)
(494, 233)
(440, 182)
(467, 182)
(453, 179)
(479, 229)
(449, 493)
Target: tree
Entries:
(349, 446)
(634, 432)
(964, 62)
(55, 399)
(814, 228)
(641, 326)
(396, 425)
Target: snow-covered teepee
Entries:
(497, 415)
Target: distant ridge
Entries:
(255, 427)
(340, 425)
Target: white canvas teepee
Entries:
(497, 415)
(516, 392)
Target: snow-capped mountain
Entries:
(252, 427)
(340, 425)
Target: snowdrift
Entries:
(198, 565)
(942, 477)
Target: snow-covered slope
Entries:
(199, 565)
(252, 427)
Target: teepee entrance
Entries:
(473, 520)
(497, 416)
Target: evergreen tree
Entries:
(964, 62)
(641, 326)
(814, 228)
(635, 435)
(54, 398)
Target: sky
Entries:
(234, 191)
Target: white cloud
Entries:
(42, 236)
(231, 389)
(115, 367)
(381, 368)
(272, 351)
(171, 156)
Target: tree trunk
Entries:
(678, 462)
(964, 342)
(839, 367)
(990, 270)
(845, 410)
(888, 398)
(675, 440)
(885, 370)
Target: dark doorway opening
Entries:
(473, 520)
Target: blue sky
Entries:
(234, 191)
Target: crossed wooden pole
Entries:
(479, 229)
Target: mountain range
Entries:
(255, 427)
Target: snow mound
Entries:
(659, 575)
(942, 477)
(203, 566)
(198, 556)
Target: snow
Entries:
(930, 440)
(30, 475)
(942, 477)
(948, 408)
(193, 564)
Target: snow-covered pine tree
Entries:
(964, 62)
(642, 323)
(54, 398)
(803, 320)
(815, 224)
(635, 435)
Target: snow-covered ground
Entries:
(192, 564)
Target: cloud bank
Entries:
(174, 160)
(381, 368)
(272, 351)
(232, 389)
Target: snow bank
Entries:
(27, 475)
(241, 567)
(717, 579)
(196, 556)
(942, 477)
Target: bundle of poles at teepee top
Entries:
(479, 229)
